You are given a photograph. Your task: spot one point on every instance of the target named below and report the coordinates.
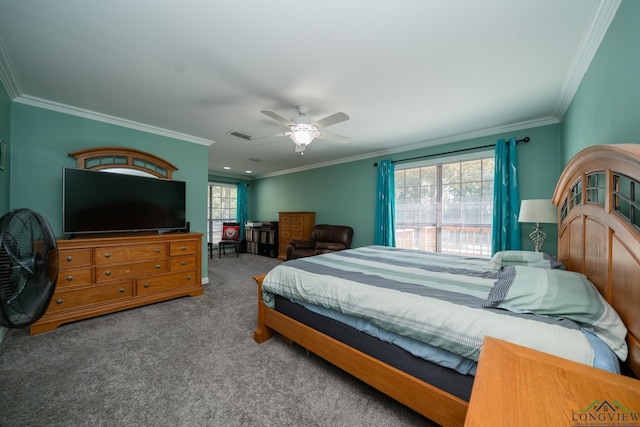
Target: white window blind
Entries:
(221, 207)
(446, 205)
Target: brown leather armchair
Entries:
(324, 238)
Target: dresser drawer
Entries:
(117, 254)
(74, 257)
(285, 234)
(125, 271)
(179, 263)
(284, 221)
(180, 248)
(70, 277)
(75, 298)
(163, 282)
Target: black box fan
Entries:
(28, 267)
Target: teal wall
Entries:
(42, 140)
(5, 134)
(606, 107)
(339, 194)
(346, 193)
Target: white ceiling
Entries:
(409, 73)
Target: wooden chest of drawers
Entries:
(103, 275)
(293, 225)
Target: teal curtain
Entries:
(506, 198)
(385, 234)
(241, 206)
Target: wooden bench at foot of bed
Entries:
(435, 404)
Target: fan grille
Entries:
(28, 267)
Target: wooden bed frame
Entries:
(599, 229)
(593, 238)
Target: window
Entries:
(221, 208)
(446, 207)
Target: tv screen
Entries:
(107, 202)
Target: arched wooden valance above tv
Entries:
(128, 158)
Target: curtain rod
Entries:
(525, 140)
(229, 183)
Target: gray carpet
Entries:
(185, 362)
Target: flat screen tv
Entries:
(107, 202)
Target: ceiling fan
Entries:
(302, 129)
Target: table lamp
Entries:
(538, 210)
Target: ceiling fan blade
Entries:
(275, 135)
(335, 138)
(331, 120)
(278, 117)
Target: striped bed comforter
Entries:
(431, 298)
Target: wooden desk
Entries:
(517, 386)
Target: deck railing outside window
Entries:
(458, 240)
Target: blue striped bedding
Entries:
(428, 304)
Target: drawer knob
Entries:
(122, 290)
(107, 255)
(184, 263)
(59, 301)
(157, 265)
(69, 258)
(158, 251)
(107, 273)
(184, 248)
(188, 277)
(69, 278)
(146, 285)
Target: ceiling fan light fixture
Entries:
(302, 129)
(303, 133)
(302, 137)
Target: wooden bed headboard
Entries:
(598, 200)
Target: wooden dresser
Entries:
(293, 225)
(103, 275)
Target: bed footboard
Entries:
(426, 399)
(262, 332)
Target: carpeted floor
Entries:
(185, 362)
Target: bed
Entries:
(598, 237)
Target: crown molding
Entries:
(8, 75)
(589, 44)
(545, 121)
(12, 85)
(104, 118)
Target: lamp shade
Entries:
(538, 210)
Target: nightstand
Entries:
(518, 386)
